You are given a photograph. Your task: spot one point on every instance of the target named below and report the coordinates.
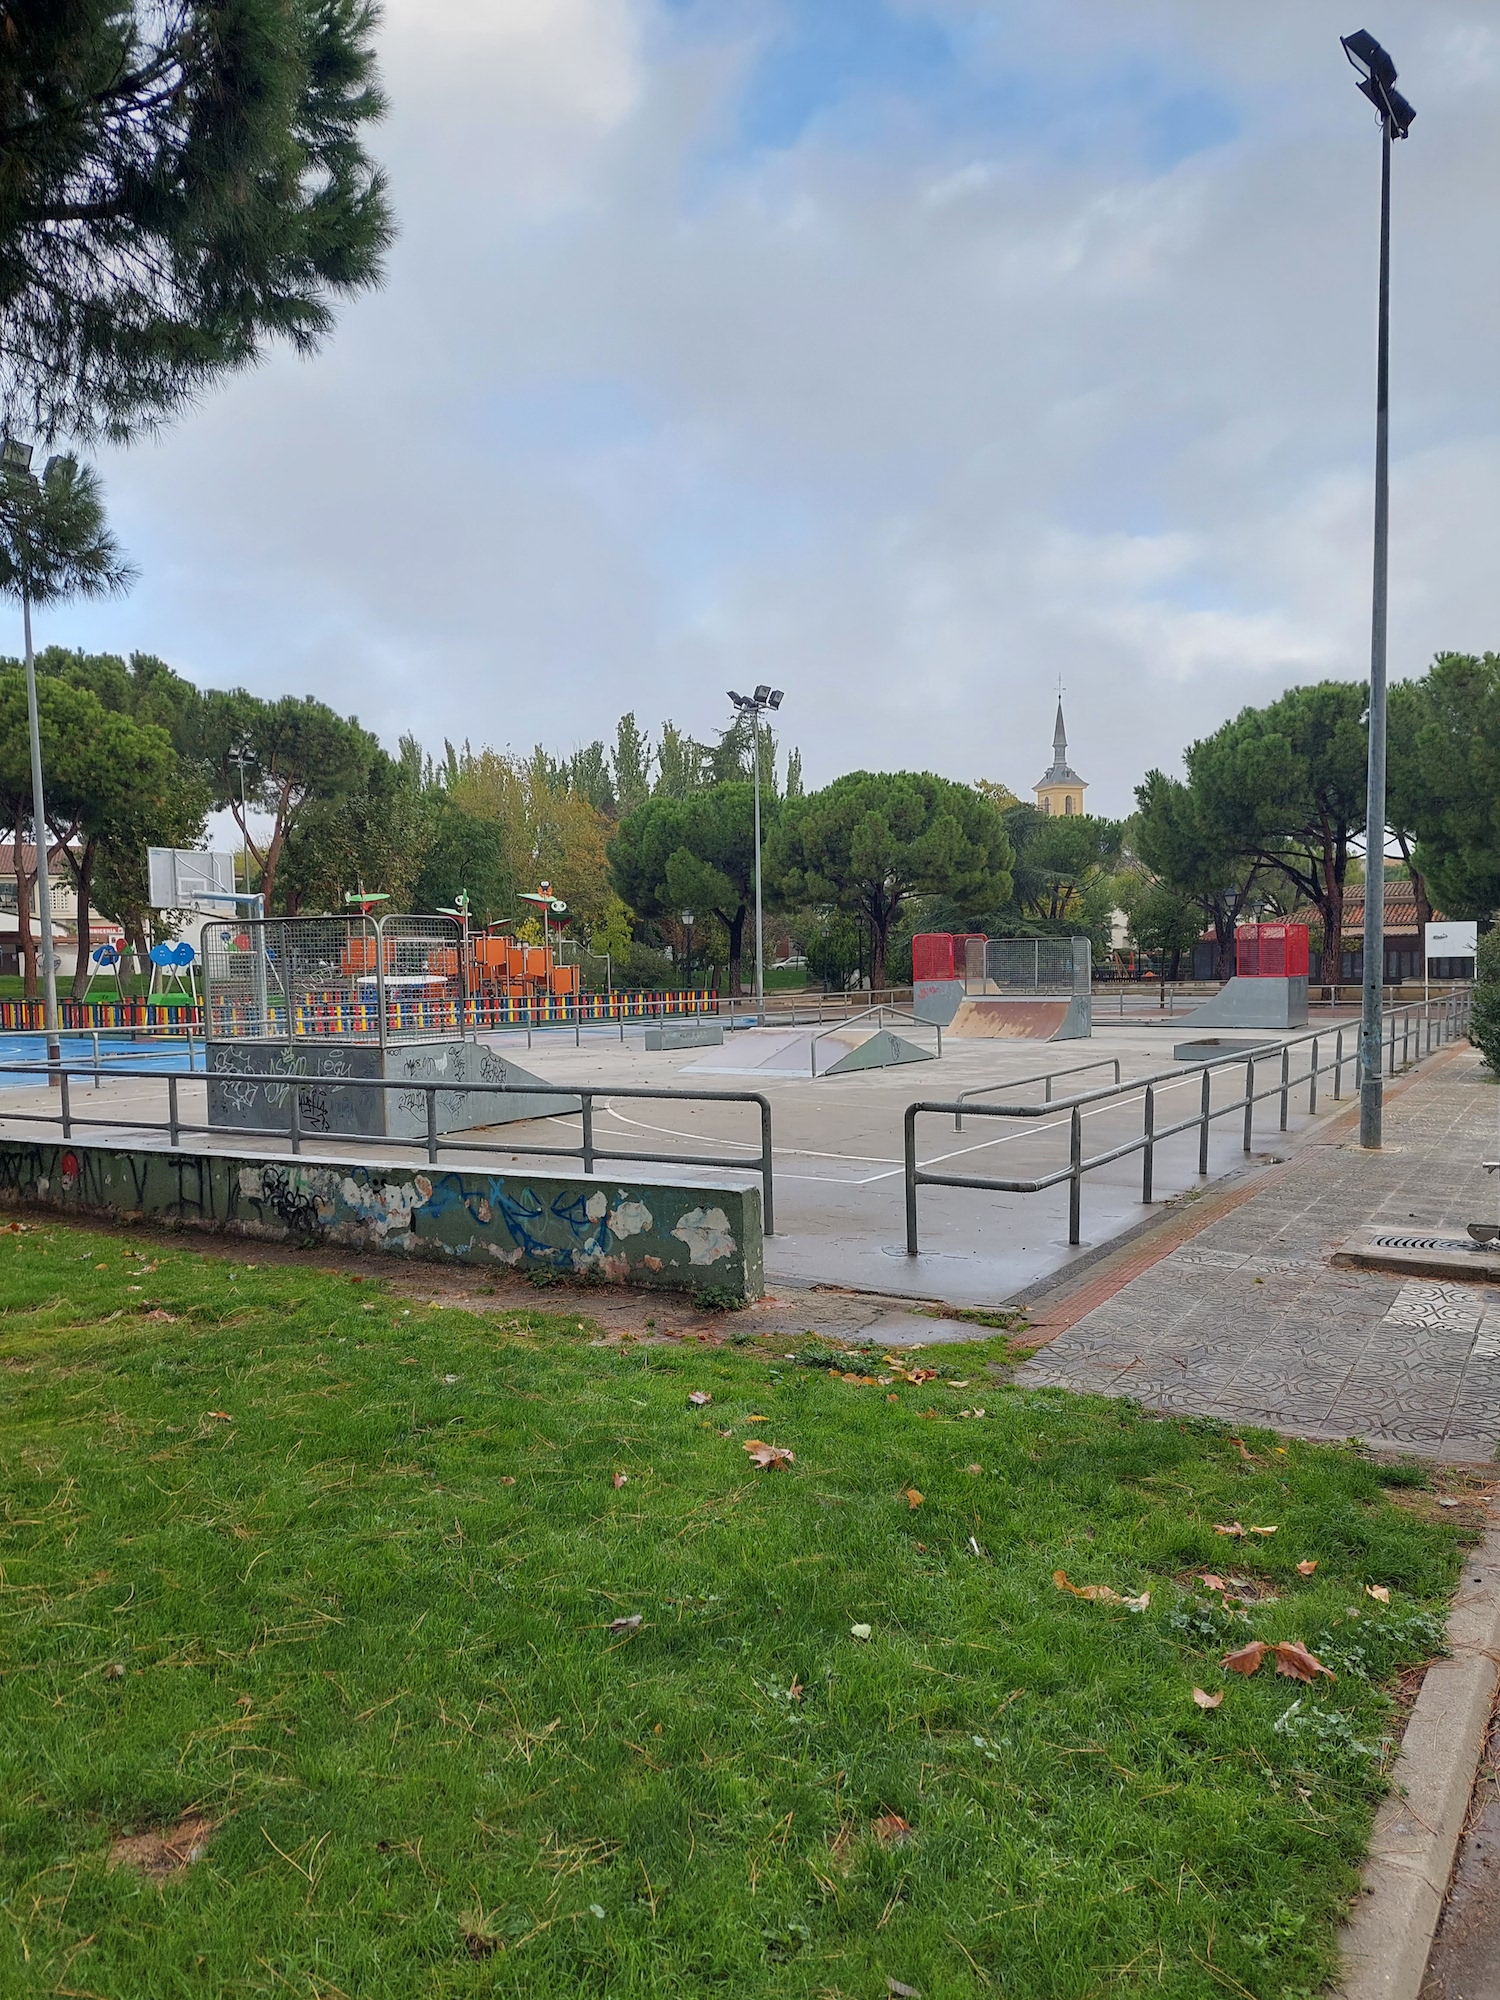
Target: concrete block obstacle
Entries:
(689, 1034)
(1255, 1002)
(668, 1231)
(809, 1051)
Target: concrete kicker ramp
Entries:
(1057, 1019)
(790, 1052)
(1254, 1003)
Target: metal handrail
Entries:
(1020, 1082)
(880, 1011)
(585, 1095)
(1448, 1021)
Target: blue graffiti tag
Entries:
(592, 1233)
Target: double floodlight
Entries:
(764, 696)
(1377, 80)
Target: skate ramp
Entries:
(1249, 1001)
(792, 1052)
(1054, 1018)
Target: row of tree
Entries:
(1271, 812)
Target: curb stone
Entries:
(1388, 1937)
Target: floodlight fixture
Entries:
(1377, 80)
(15, 456)
(774, 700)
(762, 693)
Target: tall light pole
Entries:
(15, 458)
(1377, 79)
(754, 705)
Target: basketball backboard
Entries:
(185, 878)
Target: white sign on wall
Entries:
(1452, 940)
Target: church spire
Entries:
(1060, 789)
(1060, 737)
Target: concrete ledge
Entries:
(1417, 1829)
(686, 1035)
(655, 1230)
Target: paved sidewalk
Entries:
(1248, 1320)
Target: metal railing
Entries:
(434, 1141)
(1020, 1083)
(880, 1012)
(1437, 1025)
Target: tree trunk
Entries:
(83, 882)
(1419, 889)
(735, 926)
(880, 923)
(25, 941)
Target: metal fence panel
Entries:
(1028, 965)
(349, 978)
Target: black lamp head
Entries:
(1377, 80)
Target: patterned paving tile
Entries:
(1249, 1321)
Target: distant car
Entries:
(789, 964)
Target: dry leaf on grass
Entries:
(898, 1990)
(1241, 1447)
(913, 1498)
(114, 1671)
(1207, 1700)
(1263, 1531)
(1247, 1659)
(1307, 1568)
(1099, 1593)
(1211, 1582)
(1228, 1528)
(1294, 1660)
(620, 1480)
(860, 1632)
(1379, 1592)
(699, 1397)
(891, 1830)
(630, 1624)
(974, 1468)
(768, 1455)
(221, 1416)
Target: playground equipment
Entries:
(1269, 987)
(526, 976)
(173, 971)
(324, 998)
(1004, 989)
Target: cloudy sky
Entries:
(908, 354)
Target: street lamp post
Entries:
(755, 705)
(687, 950)
(17, 465)
(1377, 78)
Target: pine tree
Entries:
(632, 765)
(180, 184)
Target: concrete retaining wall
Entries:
(648, 1230)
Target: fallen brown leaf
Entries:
(1247, 1659)
(507, 1479)
(913, 1498)
(898, 1991)
(221, 1416)
(1228, 1528)
(1294, 1660)
(1379, 1592)
(1263, 1531)
(1100, 1593)
(1307, 1568)
(891, 1830)
(620, 1479)
(1211, 1582)
(699, 1397)
(975, 1468)
(1207, 1700)
(1241, 1447)
(768, 1455)
(630, 1624)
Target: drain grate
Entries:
(1424, 1243)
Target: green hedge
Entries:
(1485, 1033)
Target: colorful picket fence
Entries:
(19, 1016)
(341, 1019)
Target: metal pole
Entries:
(1371, 1089)
(586, 1109)
(1249, 1102)
(1075, 1183)
(39, 835)
(432, 1124)
(1205, 1102)
(1338, 1065)
(911, 1179)
(760, 953)
(767, 1198)
(1148, 1151)
(1286, 1066)
(1312, 1081)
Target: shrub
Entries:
(1485, 1031)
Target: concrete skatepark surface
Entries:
(795, 1052)
(838, 1152)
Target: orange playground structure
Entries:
(502, 968)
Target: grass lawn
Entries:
(337, 1572)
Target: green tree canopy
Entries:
(297, 751)
(1285, 786)
(694, 853)
(1186, 845)
(179, 185)
(1444, 778)
(871, 839)
(464, 852)
(1064, 872)
(1162, 920)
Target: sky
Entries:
(911, 355)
